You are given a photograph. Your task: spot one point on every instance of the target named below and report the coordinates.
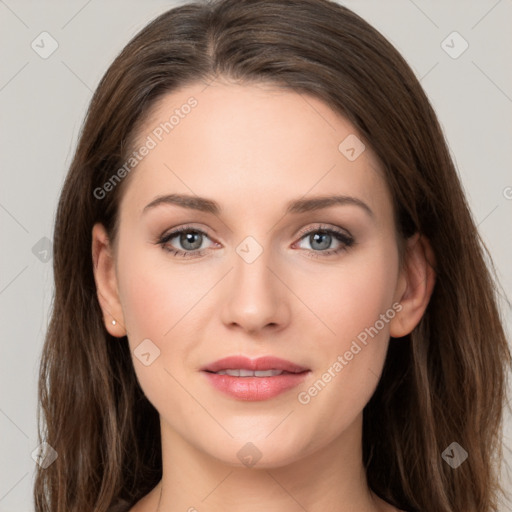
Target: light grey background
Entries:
(43, 102)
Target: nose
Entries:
(255, 298)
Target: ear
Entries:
(415, 285)
(106, 281)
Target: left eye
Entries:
(321, 239)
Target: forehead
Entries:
(240, 144)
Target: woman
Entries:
(269, 290)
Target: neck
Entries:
(331, 478)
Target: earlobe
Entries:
(415, 286)
(106, 282)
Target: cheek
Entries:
(155, 295)
(351, 297)
(353, 353)
(155, 301)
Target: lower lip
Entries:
(255, 388)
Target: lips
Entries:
(260, 364)
(254, 379)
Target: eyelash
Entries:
(346, 240)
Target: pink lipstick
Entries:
(254, 379)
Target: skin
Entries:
(252, 149)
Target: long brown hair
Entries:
(444, 382)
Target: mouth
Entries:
(242, 372)
(254, 379)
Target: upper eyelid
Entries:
(323, 227)
(318, 227)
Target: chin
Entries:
(263, 453)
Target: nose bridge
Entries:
(255, 297)
(251, 270)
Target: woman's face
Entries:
(289, 252)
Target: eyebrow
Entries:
(297, 206)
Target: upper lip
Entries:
(259, 364)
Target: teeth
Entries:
(250, 373)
